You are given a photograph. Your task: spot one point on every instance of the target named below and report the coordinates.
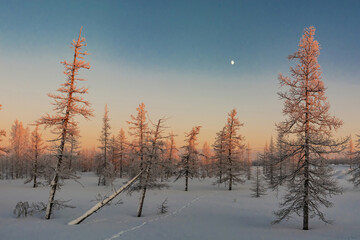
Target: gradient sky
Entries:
(175, 57)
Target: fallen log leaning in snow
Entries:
(103, 202)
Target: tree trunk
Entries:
(103, 202)
(54, 182)
(306, 164)
(142, 197)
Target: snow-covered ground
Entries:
(205, 212)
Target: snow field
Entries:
(205, 212)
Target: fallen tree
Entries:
(104, 202)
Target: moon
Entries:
(232, 62)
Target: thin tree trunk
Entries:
(103, 202)
(54, 182)
(306, 167)
(142, 197)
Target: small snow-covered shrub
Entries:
(164, 207)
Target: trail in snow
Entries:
(153, 219)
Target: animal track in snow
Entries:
(153, 220)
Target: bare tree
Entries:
(170, 159)
(19, 139)
(188, 166)
(219, 156)
(122, 151)
(206, 158)
(67, 105)
(73, 147)
(37, 148)
(139, 130)
(308, 131)
(248, 161)
(105, 167)
(152, 162)
(351, 153)
(233, 151)
(258, 187)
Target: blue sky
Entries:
(175, 56)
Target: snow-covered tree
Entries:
(67, 104)
(248, 161)
(152, 162)
(169, 158)
(19, 139)
(234, 149)
(308, 131)
(258, 185)
(139, 129)
(188, 166)
(206, 160)
(219, 155)
(72, 148)
(37, 148)
(105, 167)
(270, 163)
(122, 151)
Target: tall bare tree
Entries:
(67, 104)
(152, 162)
(139, 129)
(219, 155)
(188, 166)
(234, 149)
(308, 131)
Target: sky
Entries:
(175, 57)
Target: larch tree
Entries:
(308, 132)
(170, 159)
(152, 162)
(234, 149)
(271, 162)
(188, 167)
(73, 145)
(122, 151)
(206, 162)
(105, 167)
(19, 139)
(258, 189)
(37, 148)
(67, 104)
(248, 161)
(138, 128)
(219, 155)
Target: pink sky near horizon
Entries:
(206, 105)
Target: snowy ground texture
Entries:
(205, 212)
